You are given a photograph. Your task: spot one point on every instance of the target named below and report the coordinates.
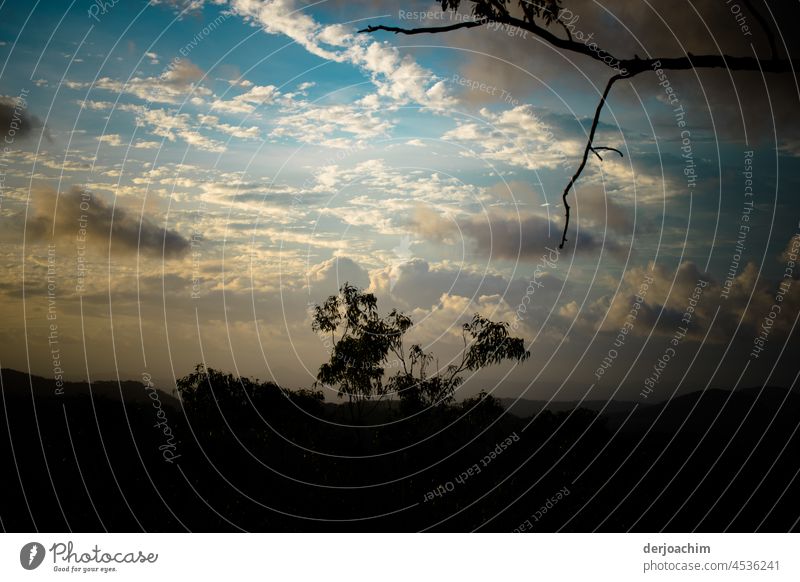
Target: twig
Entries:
(586, 151)
(600, 148)
(627, 68)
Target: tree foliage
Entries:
(362, 342)
(547, 10)
(206, 390)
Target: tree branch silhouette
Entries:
(430, 30)
(589, 148)
(489, 11)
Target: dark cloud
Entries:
(16, 122)
(104, 225)
(327, 277)
(528, 69)
(750, 301)
(597, 209)
(509, 236)
(418, 284)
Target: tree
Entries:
(211, 396)
(366, 340)
(536, 17)
(358, 356)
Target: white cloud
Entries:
(516, 137)
(324, 125)
(247, 102)
(111, 139)
(397, 78)
(213, 122)
(173, 86)
(172, 126)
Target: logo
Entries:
(31, 555)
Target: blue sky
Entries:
(253, 155)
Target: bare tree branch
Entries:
(566, 44)
(586, 151)
(429, 30)
(599, 148)
(625, 69)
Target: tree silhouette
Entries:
(212, 397)
(536, 17)
(360, 354)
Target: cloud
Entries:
(247, 102)
(331, 126)
(173, 86)
(238, 131)
(418, 284)
(105, 225)
(443, 321)
(750, 300)
(517, 137)
(598, 209)
(15, 120)
(327, 277)
(111, 139)
(503, 235)
(171, 125)
(397, 78)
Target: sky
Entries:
(182, 181)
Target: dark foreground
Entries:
(258, 458)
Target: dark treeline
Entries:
(229, 453)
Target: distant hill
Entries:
(525, 408)
(696, 411)
(706, 461)
(19, 384)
